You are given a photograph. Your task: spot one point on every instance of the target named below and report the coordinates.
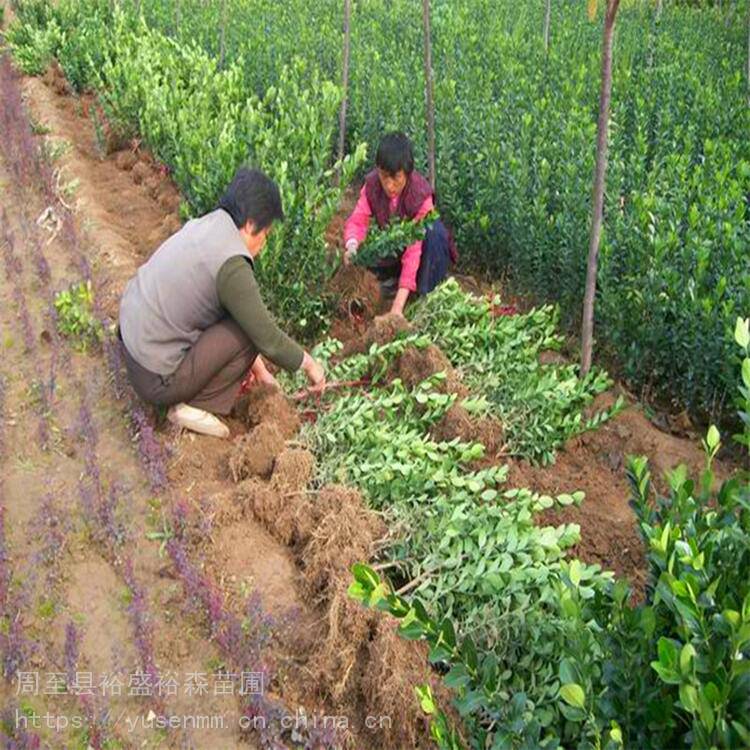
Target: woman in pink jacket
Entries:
(396, 188)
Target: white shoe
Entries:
(197, 420)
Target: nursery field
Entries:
(462, 543)
(515, 129)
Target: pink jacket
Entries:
(358, 223)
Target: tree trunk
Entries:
(659, 8)
(600, 173)
(547, 20)
(429, 92)
(344, 79)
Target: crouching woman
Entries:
(192, 320)
(394, 190)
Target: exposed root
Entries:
(293, 470)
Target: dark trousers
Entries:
(209, 377)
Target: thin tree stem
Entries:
(344, 80)
(429, 92)
(600, 173)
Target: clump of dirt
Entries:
(394, 667)
(416, 365)
(170, 225)
(261, 502)
(126, 160)
(342, 654)
(224, 508)
(551, 357)
(383, 329)
(293, 470)
(458, 423)
(140, 172)
(55, 79)
(265, 403)
(254, 453)
(341, 532)
(358, 291)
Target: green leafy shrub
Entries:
(75, 317)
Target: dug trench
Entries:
(250, 513)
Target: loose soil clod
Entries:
(394, 667)
(140, 173)
(383, 329)
(126, 160)
(458, 423)
(264, 403)
(416, 365)
(254, 453)
(342, 534)
(293, 470)
(358, 291)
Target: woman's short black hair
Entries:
(252, 196)
(395, 153)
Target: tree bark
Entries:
(600, 173)
(344, 79)
(547, 21)
(429, 92)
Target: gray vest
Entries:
(172, 298)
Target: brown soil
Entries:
(383, 329)
(293, 470)
(458, 423)
(254, 453)
(358, 292)
(269, 508)
(343, 533)
(390, 692)
(128, 223)
(416, 365)
(264, 403)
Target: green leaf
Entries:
(713, 438)
(742, 332)
(574, 571)
(689, 697)
(572, 693)
(426, 701)
(687, 654)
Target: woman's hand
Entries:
(315, 373)
(351, 251)
(262, 375)
(399, 301)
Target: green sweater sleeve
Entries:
(240, 297)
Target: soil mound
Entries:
(125, 160)
(358, 291)
(416, 365)
(265, 403)
(394, 667)
(458, 423)
(293, 470)
(341, 532)
(266, 506)
(383, 329)
(254, 453)
(341, 658)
